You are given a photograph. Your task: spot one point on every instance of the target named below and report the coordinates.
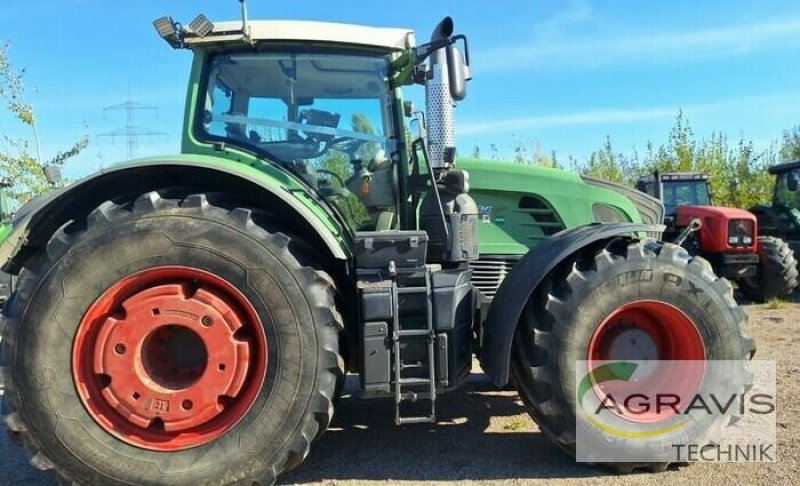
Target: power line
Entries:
(130, 131)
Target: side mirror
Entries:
(458, 72)
(791, 181)
(421, 128)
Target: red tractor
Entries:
(763, 267)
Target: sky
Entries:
(560, 76)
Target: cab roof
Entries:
(310, 31)
(785, 167)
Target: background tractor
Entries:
(190, 318)
(781, 219)
(762, 264)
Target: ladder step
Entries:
(416, 420)
(414, 396)
(415, 381)
(415, 333)
(412, 290)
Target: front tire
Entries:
(230, 343)
(566, 319)
(777, 274)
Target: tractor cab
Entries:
(782, 217)
(323, 101)
(323, 112)
(677, 190)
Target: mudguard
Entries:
(510, 299)
(37, 220)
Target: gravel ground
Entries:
(485, 437)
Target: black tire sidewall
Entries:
(108, 252)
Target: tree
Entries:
(610, 165)
(738, 175)
(738, 172)
(790, 148)
(16, 160)
(536, 156)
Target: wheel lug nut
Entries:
(187, 405)
(120, 348)
(207, 321)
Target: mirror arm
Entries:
(462, 37)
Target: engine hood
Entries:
(686, 212)
(715, 229)
(521, 205)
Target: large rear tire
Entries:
(645, 287)
(777, 274)
(171, 341)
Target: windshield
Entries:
(685, 193)
(786, 189)
(326, 116)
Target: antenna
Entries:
(245, 24)
(130, 131)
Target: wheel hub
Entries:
(170, 358)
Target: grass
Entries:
(775, 303)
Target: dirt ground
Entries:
(485, 437)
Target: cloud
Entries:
(577, 12)
(622, 116)
(641, 47)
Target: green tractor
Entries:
(781, 219)
(190, 319)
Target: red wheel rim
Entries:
(169, 358)
(648, 330)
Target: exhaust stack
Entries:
(439, 103)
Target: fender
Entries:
(35, 222)
(525, 277)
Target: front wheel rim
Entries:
(170, 358)
(650, 331)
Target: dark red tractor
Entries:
(764, 267)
